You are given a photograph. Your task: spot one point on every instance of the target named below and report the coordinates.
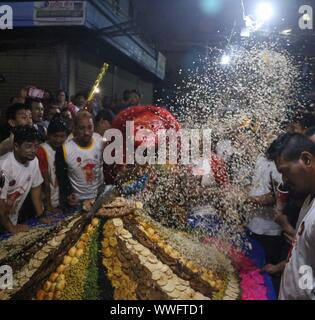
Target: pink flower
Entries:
(252, 281)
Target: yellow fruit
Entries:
(95, 222)
(85, 237)
(52, 287)
(67, 260)
(49, 296)
(72, 252)
(90, 229)
(61, 268)
(57, 295)
(79, 253)
(74, 261)
(40, 295)
(47, 286)
(61, 285)
(61, 278)
(53, 277)
(80, 245)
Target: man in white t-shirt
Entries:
(262, 225)
(79, 166)
(16, 115)
(266, 177)
(22, 175)
(294, 155)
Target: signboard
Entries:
(59, 13)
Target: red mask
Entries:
(148, 120)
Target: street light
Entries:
(225, 59)
(264, 11)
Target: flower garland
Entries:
(251, 280)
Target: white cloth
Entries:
(302, 254)
(203, 169)
(20, 179)
(85, 167)
(53, 183)
(265, 171)
(70, 137)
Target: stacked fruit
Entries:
(225, 287)
(136, 271)
(67, 282)
(125, 287)
(39, 253)
(212, 279)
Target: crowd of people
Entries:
(51, 153)
(53, 156)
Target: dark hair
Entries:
(103, 115)
(59, 91)
(309, 132)
(126, 94)
(25, 134)
(13, 110)
(29, 101)
(290, 146)
(58, 123)
(136, 92)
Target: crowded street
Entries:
(157, 150)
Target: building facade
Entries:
(63, 45)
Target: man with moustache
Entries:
(294, 155)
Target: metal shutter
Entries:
(27, 67)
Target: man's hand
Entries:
(264, 200)
(281, 219)
(19, 228)
(54, 210)
(289, 237)
(288, 230)
(72, 200)
(274, 269)
(45, 220)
